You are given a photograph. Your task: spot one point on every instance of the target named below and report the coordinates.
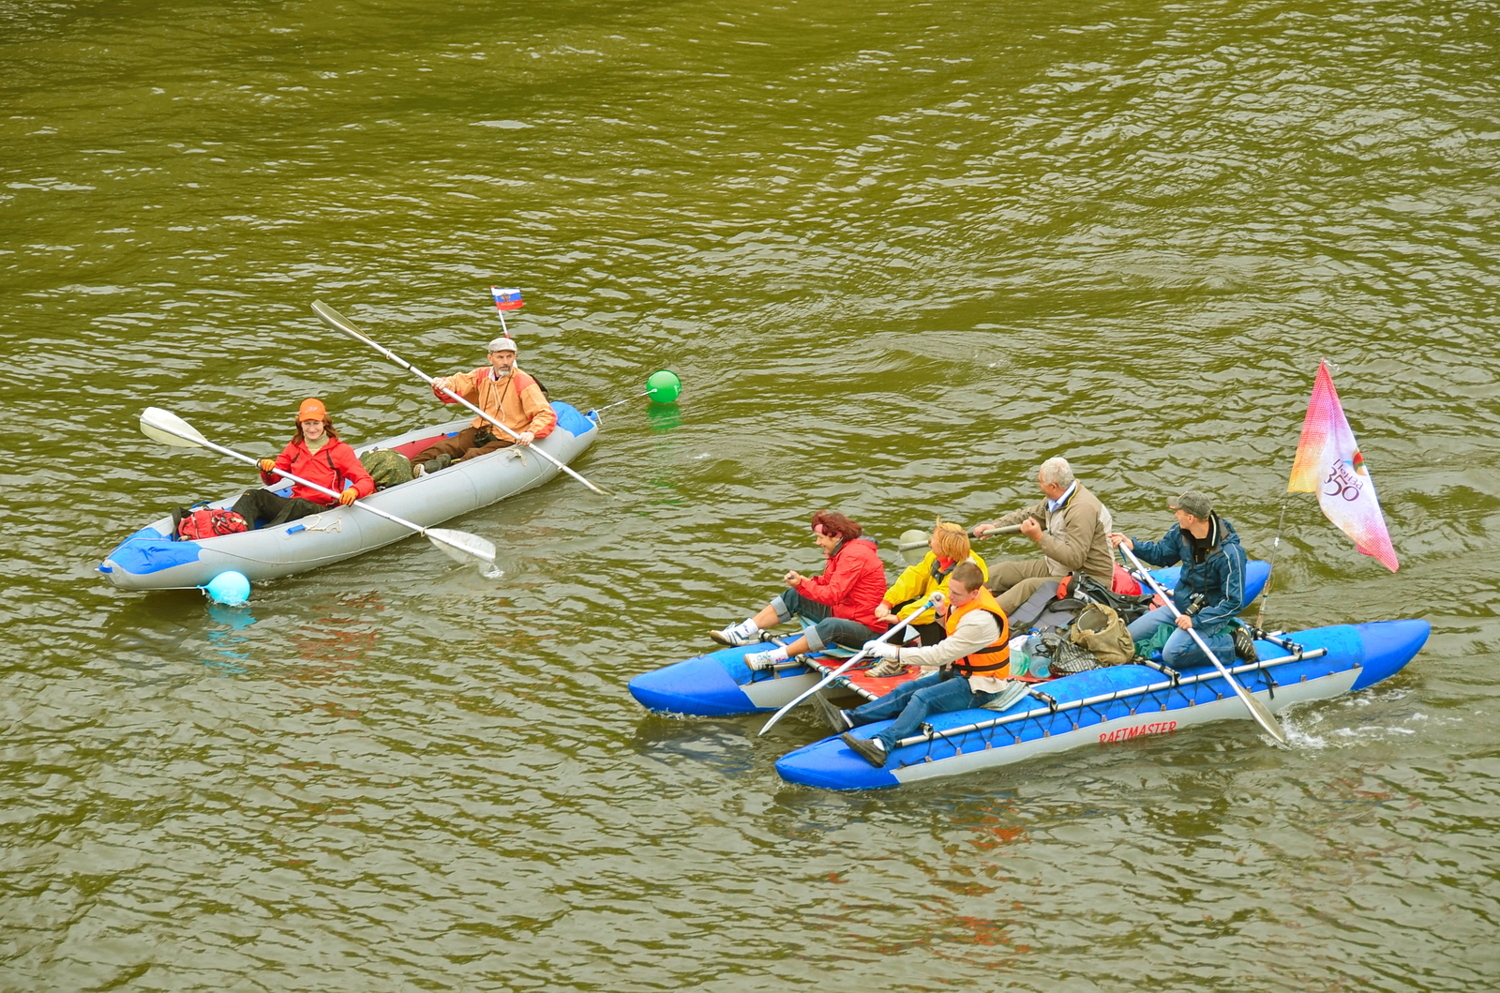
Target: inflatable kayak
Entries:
(151, 559)
(719, 682)
(1104, 706)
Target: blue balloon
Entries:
(229, 588)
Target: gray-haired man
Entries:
(1069, 525)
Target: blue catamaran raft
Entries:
(1097, 707)
(719, 683)
(151, 559)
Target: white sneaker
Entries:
(734, 636)
(764, 660)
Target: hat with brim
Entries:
(503, 344)
(312, 409)
(1194, 502)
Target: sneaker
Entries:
(418, 469)
(734, 636)
(837, 720)
(885, 668)
(762, 660)
(1244, 644)
(434, 465)
(869, 749)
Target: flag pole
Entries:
(1260, 612)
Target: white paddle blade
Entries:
(460, 546)
(169, 429)
(1261, 713)
(335, 320)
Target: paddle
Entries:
(908, 545)
(166, 427)
(341, 324)
(1258, 710)
(863, 653)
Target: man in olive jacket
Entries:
(1069, 525)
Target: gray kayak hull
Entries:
(151, 560)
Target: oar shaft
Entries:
(907, 546)
(341, 324)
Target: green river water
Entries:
(899, 255)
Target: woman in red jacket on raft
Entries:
(841, 601)
(318, 456)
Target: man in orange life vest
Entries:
(501, 390)
(975, 661)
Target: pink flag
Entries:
(1328, 463)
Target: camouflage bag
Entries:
(386, 467)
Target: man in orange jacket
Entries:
(501, 390)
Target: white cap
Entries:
(503, 344)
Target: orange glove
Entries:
(267, 465)
(348, 496)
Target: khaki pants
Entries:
(1014, 582)
(461, 446)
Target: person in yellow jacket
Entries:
(974, 662)
(948, 547)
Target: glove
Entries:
(348, 496)
(266, 465)
(882, 649)
(937, 599)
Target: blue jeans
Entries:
(1181, 651)
(828, 630)
(912, 703)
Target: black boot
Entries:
(1244, 644)
(868, 749)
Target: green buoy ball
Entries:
(663, 386)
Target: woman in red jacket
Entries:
(841, 601)
(318, 456)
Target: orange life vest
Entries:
(994, 660)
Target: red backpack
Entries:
(209, 523)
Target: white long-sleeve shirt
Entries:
(976, 631)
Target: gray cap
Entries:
(502, 344)
(1194, 502)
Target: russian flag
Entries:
(507, 299)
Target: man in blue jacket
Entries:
(1211, 590)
